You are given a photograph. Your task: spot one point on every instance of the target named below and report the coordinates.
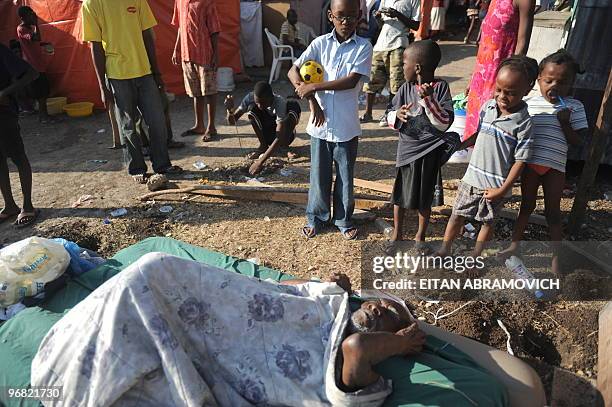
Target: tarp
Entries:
(71, 71)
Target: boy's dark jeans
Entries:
(323, 156)
(132, 98)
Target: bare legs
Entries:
(199, 103)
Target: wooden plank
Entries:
(591, 165)
(358, 182)
(604, 361)
(274, 194)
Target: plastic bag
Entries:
(26, 266)
(81, 260)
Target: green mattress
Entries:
(440, 376)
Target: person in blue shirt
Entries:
(334, 120)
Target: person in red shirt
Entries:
(196, 48)
(35, 52)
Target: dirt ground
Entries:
(562, 334)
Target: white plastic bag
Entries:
(26, 266)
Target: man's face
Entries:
(292, 17)
(382, 316)
(345, 15)
(263, 102)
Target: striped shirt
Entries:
(430, 118)
(549, 143)
(501, 142)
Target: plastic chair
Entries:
(277, 55)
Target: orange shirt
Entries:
(197, 21)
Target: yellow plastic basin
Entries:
(56, 105)
(80, 109)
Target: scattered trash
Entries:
(469, 227)
(199, 165)
(469, 235)
(119, 212)
(97, 161)
(286, 172)
(516, 266)
(490, 252)
(106, 221)
(254, 260)
(190, 176)
(82, 199)
(101, 131)
(166, 209)
(503, 327)
(608, 195)
(266, 218)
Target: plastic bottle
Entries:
(516, 266)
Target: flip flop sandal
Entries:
(366, 118)
(140, 178)
(309, 232)
(4, 217)
(209, 136)
(25, 219)
(173, 169)
(190, 132)
(350, 234)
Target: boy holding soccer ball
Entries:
(334, 120)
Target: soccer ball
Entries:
(311, 72)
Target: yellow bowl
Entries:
(56, 105)
(81, 109)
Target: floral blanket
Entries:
(169, 331)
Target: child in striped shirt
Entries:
(502, 149)
(422, 112)
(558, 120)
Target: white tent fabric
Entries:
(251, 38)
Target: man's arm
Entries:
(362, 351)
(29, 75)
(176, 56)
(214, 38)
(525, 8)
(296, 81)
(99, 59)
(407, 21)
(469, 142)
(346, 82)
(148, 37)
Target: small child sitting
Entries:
(502, 148)
(558, 120)
(422, 111)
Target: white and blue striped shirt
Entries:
(549, 143)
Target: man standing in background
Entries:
(397, 18)
(123, 50)
(196, 48)
(34, 51)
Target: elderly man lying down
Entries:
(173, 332)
